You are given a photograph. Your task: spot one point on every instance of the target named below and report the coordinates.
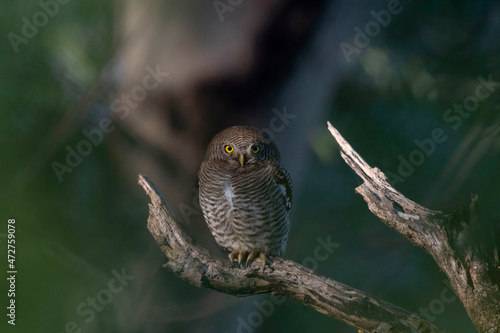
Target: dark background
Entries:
(262, 58)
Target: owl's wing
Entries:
(283, 180)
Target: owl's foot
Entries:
(256, 255)
(237, 255)
(247, 258)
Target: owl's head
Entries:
(241, 146)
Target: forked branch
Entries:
(280, 276)
(456, 242)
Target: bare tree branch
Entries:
(462, 248)
(280, 276)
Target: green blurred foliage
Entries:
(72, 234)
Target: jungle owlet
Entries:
(246, 194)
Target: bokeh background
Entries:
(232, 62)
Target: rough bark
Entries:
(462, 247)
(280, 276)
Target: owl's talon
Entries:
(262, 257)
(256, 255)
(241, 256)
(251, 257)
(247, 258)
(233, 256)
(238, 255)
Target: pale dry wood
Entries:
(462, 247)
(280, 276)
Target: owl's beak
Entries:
(241, 159)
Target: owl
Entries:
(246, 194)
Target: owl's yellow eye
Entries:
(255, 149)
(229, 149)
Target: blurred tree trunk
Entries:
(221, 73)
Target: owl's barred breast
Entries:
(244, 207)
